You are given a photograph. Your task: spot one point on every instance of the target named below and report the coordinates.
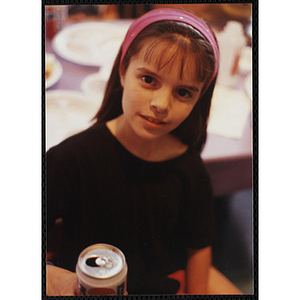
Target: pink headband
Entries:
(173, 15)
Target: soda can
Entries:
(101, 270)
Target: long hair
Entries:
(189, 43)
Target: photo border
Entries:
(255, 147)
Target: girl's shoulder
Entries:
(93, 137)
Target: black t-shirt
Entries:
(151, 211)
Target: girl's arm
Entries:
(198, 266)
(203, 278)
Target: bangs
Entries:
(164, 52)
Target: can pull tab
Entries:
(96, 261)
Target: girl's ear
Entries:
(122, 79)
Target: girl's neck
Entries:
(155, 150)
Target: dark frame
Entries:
(254, 176)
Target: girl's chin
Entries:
(146, 134)
(145, 129)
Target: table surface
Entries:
(235, 154)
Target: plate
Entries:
(54, 68)
(67, 113)
(94, 86)
(90, 43)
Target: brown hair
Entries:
(188, 41)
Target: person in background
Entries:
(135, 179)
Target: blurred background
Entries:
(76, 71)
(216, 14)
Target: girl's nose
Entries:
(161, 100)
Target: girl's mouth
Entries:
(153, 120)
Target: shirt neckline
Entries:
(167, 161)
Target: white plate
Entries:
(67, 113)
(56, 71)
(90, 43)
(94, 86)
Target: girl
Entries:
(135, 179)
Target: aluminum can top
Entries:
(101, 261)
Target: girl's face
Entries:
(156, 101)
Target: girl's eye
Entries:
(183, 93)
(148, 79)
